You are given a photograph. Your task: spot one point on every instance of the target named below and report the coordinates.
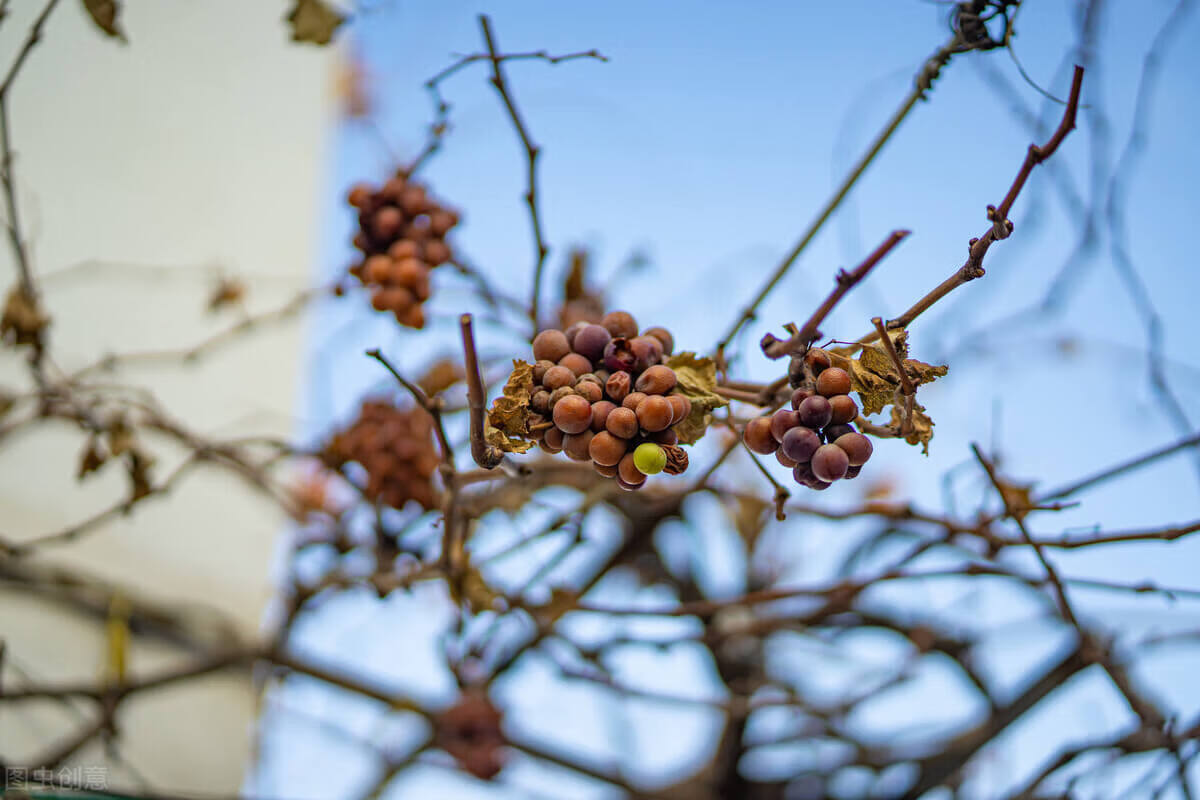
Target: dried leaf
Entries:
(474, 590)
(104, 13)
(749, 516)
(440, 376)
(874, 376)
(314, 21)
(227, 292)
(92, 459)
(22, 321)
(507, 423)
(922, 426)
(677, 459)
(1018, 498)
(697, 382)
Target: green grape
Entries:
(649, 458)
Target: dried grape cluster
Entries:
(402, 237)
(814, 438)
(395, 448)
(602, 394)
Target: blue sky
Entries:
(708, 142)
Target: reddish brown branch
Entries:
(809, 332)
(486, 455)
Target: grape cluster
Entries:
(402, 236)
(602, 394)
(814, 438)
(395, 448)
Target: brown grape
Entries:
(834, 432)
(402, 249)
(844, 409)
(633, 400)
(590, 341)
(608, 472)
(557, 377)
(600, 411)
(757, 436)
(386, 222)
(833, 381)
(654, 413)
(815, 412)
(552, 440)
(377, 269)
(782, 458)
(540, 402)
(665, 437)
(680, 406)
(817, 360)
(539, 370)
(576, 445)
(606, 449)
(573, 414)
(441, 220)
(852, 473)
(629, 487)
(359, 195)
(589, 391)
(620, 324)
(657, 380)
(618, 386)
(576, 363)
(646, 350)
(783, 421)
(572, 331)
(800, 395)
(622, 422)
(800, 443)
(560, 393)
(858, 448)
(830, 462)
(551, 345)
(436, 252)
(628, 472)
(664, 336)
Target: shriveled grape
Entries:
(657, 380)
(618, 386)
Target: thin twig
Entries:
(485, 454)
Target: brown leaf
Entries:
(507, 424)
(875, 377)
(92, 459)
(749, 516)
(314, 21)
(22, 321)
(1018, 497)
(227, 292)
(440, 376)
(921, 427)
(697, 381)
(104, 13)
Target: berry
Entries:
(551, 345)
(844, 409)
(757, 436)
(576, 363)
(589, 391)
(858, 448)
(618, 356)
(830, 462)
(359, 195)
(573, 331)
(817, 360)
(539, 370)
(800, 395)
(783, 421)
(553, 438)
(815, 412)
(649, 458)
(620, 324)
(557, 377)
(608, 450)
(559, 394)
(833, 381)
(622, 422)
(654, 413)
(608, 472)
(681, 406)
(629, 487)
(386, 222)
(664, 336)
(646, 350)
(628, 472)
(618, 386)
(656, 380)
(540, 402)
(576, 445)
(783, 459)
(633, 400)
(600, 411)
(835, 432)
(665, 437)
(799, 444)
(573, 414)
(590, 341)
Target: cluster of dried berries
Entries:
(602, 394)
(470, 732)
(402, 237)
(814, 438)
(395, 448)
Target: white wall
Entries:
(199, 143)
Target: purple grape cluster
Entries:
(814, 438)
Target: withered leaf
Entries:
(104, 13)
(697, 381)
(507, 423)
(22, 320)
(92, 459)
(875, 377)
(314, 21)
(440, 376)
(921, 426)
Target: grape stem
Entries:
(486, 455)
(800, 339)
